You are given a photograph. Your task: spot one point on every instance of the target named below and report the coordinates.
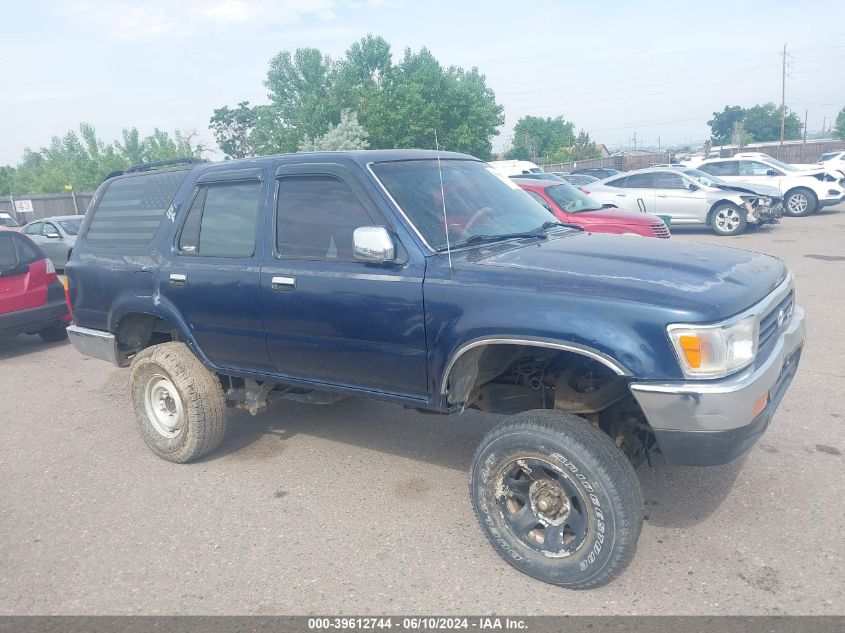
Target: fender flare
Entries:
(565, 346)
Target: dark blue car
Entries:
(429, 281)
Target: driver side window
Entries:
(316, 218)
(539, 199)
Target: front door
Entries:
(213, 272)
(682, 200)
(328, 317)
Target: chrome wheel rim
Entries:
(797, 203)
(164, 406)
(727, 220)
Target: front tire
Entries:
(557, 499)
(728, 219)
(179, 404)
(800, 202)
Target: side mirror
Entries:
(691, 186)
(52, 235)
(771, 172)
(373, 244)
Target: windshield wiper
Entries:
(485, 239)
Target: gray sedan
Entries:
(691, 197)
(56, 236)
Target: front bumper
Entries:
(829, 202)
(96, 343)
(709, 423)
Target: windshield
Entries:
(571, 199)
(708, 180)
(782, 165)
(71, 227)
(8, 220)
(477, 201)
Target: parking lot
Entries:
(361, 507)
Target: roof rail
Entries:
(185, 160)
(134, 169)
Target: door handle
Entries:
(177, 279)
(621, 195)
(662, 195)
(283, 283)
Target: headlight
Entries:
(713, 351)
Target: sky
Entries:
(657, 70)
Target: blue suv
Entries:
(425, 279)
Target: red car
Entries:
(573, 206)
(32, 299)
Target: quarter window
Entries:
(222, 221)
(316, 218)
(618, 182)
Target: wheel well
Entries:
(511, 378)
(136, 331)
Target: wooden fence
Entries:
(47, 205)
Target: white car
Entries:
(833, 161)
(514, 167)
(690, 197)
(804, 190)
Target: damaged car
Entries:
(691, 198)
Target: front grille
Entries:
(769, 327)
(660, 230)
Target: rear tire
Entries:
(800, 202)
(179, 404)
(728, 219)
(54, 333)
(557, 499)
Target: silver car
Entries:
(56, 236)
(691, 198)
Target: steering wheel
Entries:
(479, 216)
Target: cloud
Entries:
(124, 20)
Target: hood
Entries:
(698, 282)
(614, 216)
(753, 188)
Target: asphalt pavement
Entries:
(361, 507)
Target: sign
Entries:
(23, 206)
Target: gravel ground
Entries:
(361, 507)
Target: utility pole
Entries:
(824, 125)
(804, 146)
(783, 97)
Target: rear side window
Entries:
(617, 182)
(16, 251)
(131, 208)
(222, 221)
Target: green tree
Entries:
(346, 135)
(839, 126)
(759, 123)
(535, 137)
(722, 124)
(83, 160)
(400, 104)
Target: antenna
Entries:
(443, 198)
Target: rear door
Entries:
(638, 192)
(212, 272)
(330, 318)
